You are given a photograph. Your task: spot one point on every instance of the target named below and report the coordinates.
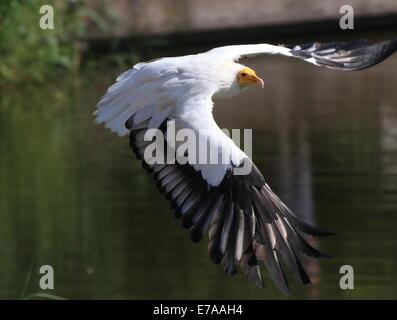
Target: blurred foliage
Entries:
(29, 54)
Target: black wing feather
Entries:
(349, 56)
(247, 222)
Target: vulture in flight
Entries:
(247, 223)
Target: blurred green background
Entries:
(73, 196)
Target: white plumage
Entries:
(178, 88)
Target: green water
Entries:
(74, 197)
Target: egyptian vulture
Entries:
(248, 224)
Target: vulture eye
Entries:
(244, 74)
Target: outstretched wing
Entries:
(248, 224)
(350, 56)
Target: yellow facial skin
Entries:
(247, 76)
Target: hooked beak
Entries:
(256, 79)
